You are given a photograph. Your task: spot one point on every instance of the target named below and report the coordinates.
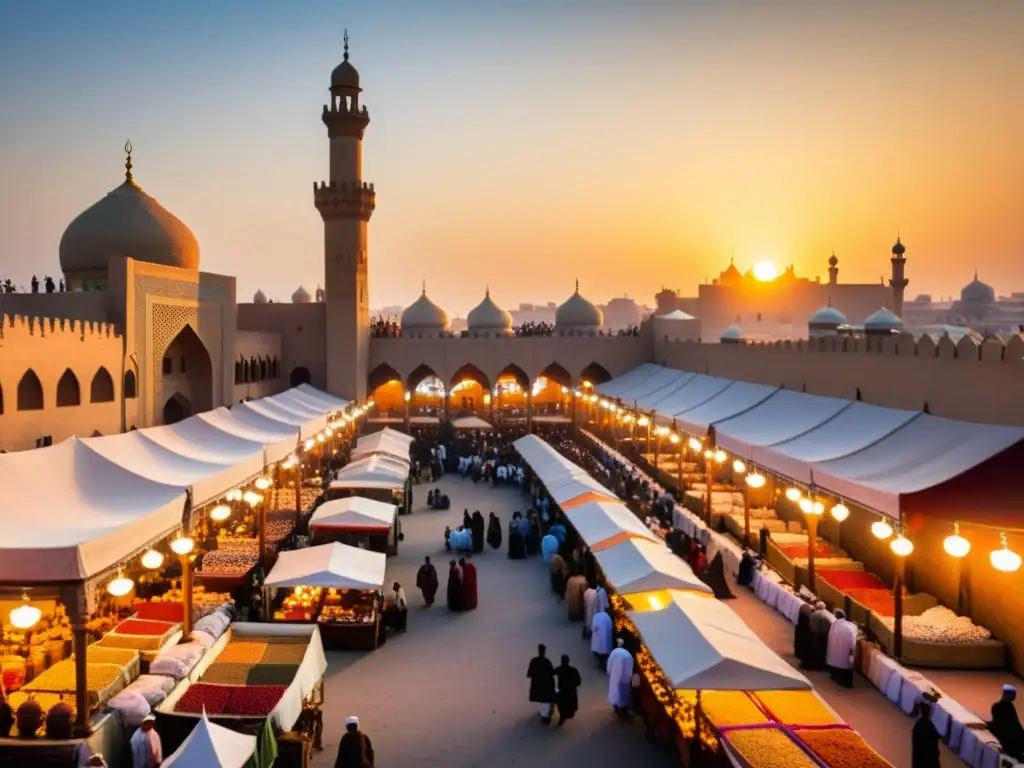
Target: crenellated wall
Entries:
(47, 348)
(970, 381)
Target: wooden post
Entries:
(897, 593)
(73, 598)
(708, 481)
(812, 540)
(746, 514)
(529, 410)
(186, 594)
(261, 521)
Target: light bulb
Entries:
(25, 615)
(220, 512)
(262, 483)
(152, 560)
(1005, 559)
(881, 529)
(408, 396)
(673, 438)
(739, 467)
(956, 545)
(182, 545)
(901, 546)
(643, 421)
(756, 480)
(308, 445)
(235, 494)
(661, 431)
(840, 512)
(793, 494)
(120, 586)
(565, 390)
(252, 499)
(329, 431)
(721, 456)
(695, 444)
(320, 437)
(709, 454)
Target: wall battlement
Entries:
(15, 327)
(344, 118)
(344, 200)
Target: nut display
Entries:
(769, 748)
(940, 625)
(726, 708)
(228, 562)
(841, 748)
(796, 707)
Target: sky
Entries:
(525, 145)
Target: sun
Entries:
(765, 271)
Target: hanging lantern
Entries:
(809, 507)
(25, 615)
(1005, 559)
(695, 444)
(235, 494)
(252, 499)
(739, 467)
(220, 513)
(881, 529)
(320, 437)
(308, 445)
(182, 545)
(840, 512)
(956, 545)
(120, 586)
(152, 560)
(901, 546)
(673, 438)
(793, 494)
(756, 480)
(643, 421)
(262, 483)
(709, 454)
(721, 456)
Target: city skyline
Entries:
(526, 148)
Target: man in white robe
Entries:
(601, 637)
(602, 599)
(147, 751)
(842, 639)
(620, 680)
(589, 611)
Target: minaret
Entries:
(833, 269)
(898, 282)
(346, 203)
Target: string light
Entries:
(235, 494)
(308, 445)
(220, 513)
(721, 456)
(756, 480)
(956, 545)
(120, 586)
(182, 545)
(881, 529)
(152, 560)
(809, 507)
(1005, 559)
(25, 615)
(262, 483)
(840, 512)
(695, 444)
(252, 499)
(739, 467)
(673, 438)
(793, 494)
(643, 421)
(901, 546)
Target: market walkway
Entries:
(452, 691)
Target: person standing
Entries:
(478, 527)
(1005, 725)
(620, 680)
(147, 751)
(589, 610)
(601, 638)
(355, 750)
(569, 681)
(602, 599)
(924, 738)
(426, 581)
(455, 595)
(542, 683)
(469, 593)
(574, 590)
(401, 608)
(494, 531)
(559, 575)
(842, 639)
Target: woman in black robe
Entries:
(516, 541)
(467, 521)
(455, 599)
(477, 528)
(494, 531)
(924, 739)
(569, 681)
(542, 683)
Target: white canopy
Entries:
(472, 422)
(657, 383)
(641, 565)
(296, 403)
(543, 459)
(307, 426)
(333, 403)
(655, 400)
(333, 565)
(628, 380)
(147, 458)
(376, 471)
(278, 439)
(700, 644)
(355, 512)
(676, 314)
(598, 521)
(735, 399)
(317, 404)
(783, 416)
(212, 746)
(565, 488)
(67, 513)
(199, 439)
(387, 441)
(694, 393)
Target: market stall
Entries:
(337, 587)
(355, 521)
(375, 477)
(642, 571)
(278, 439)
(212, 746)
(387, 441)
(604, 524)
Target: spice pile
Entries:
(940, 625)
(768, 748)
(842, 749)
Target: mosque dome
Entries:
(127, 222)
(301, 296)
(345, 75)
(978, 292)
(898, 249)
(828, 316)
(882, 321)
(732, 334)
(424, 315)
(259, 297)
(577, 312)
(488, 316)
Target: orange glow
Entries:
(765, 271)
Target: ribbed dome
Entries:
(883, 320)
(732, 333)
(259, 297)
(301, 296)
(127, 222)
(577, 312)
(345, 75)
(424, 315)
(978, 292)
(828, 316)
(488, 316)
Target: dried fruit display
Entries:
(842, 748)
(242, 652)
(726, 708)
(254, 700)
(278, 530)
(940, 625)
(228, 562)
(769, 748)
(796, 707)
(143, 627)
(227, 673)
(214, 698)
(241, 544)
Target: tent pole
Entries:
(186, 594)
(74, 601)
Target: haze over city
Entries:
(526, 145)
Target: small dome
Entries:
(833, 260)
(898, 249)
(732, 333)
(301, 296)
(828, 316)
(883, 321)
(577, 312)
(345, 75)
(978, 292)
(423, 314)
(488, 316)
(259, 297)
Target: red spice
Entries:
(172, 612)
(847, 580)
(254, 700)
(800, 550)
(199, 695)
(878, 600)
(143, 627)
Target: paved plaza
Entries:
(452, 691)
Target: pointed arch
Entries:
(381, 375)
(420, 372)
(238, 372)
(263, 368)
(517, 373)
(101, 390)
(130, 384)
(556, 373)
(254, 369)
(300, 375)
(177, 408)
(69, 393)
(472, 373)
(595, 373)
(194, 377)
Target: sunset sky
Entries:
(631, 145)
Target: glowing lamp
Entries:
(235, 494)
(739, 467)
(654, 602)
(565, 390)
(956, 545)
(252, 499)
(881, 529)
(593, 398)
(120, 586)
(152, 560)
(628, 418)
(840, 513)
(182, 545)
(662, 431)
(793, 494)
(673, 438)
(809, 507)
(756, 480)
(25, 615)
(695, 444)
(290, 462)
(320, 437)
(329, 431)
(408, 396)
(262, 483)
(901, 546)
(643, 421)
(220, 513)
(1005, 559)
(309, 444)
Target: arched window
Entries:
(238, 372)
(246, 375)
(68, 391)
(254, 369)
(129, 384)
(102, 388)
(277, 368)
(30, 392)
(263, 368)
